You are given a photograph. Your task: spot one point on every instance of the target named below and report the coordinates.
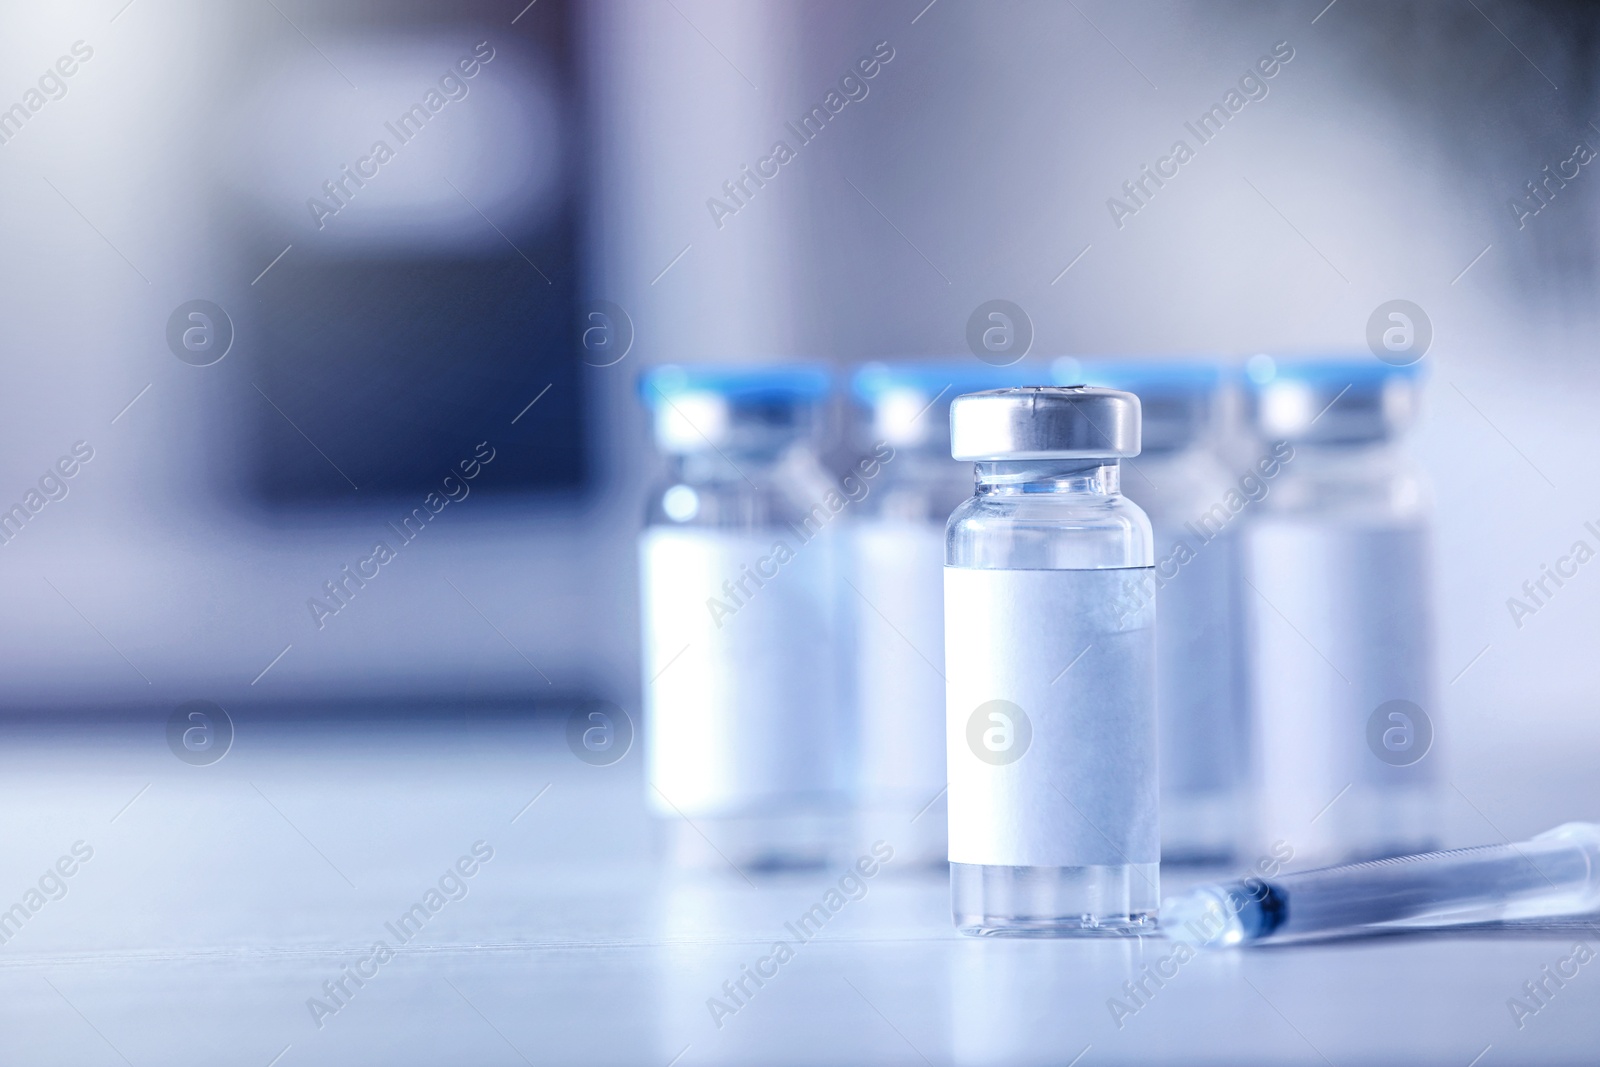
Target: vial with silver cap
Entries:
(746, 731)
(1341, 665)
(1050, 701)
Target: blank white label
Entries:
(743, 705)
(900, 658)
(1057, 667)
(1342, 625)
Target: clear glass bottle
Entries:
(898, 618)
(1342, 634)
(1201, 687)
(1051, 721)
(746, 732)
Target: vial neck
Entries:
(1098, 477)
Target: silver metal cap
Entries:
(1044, 422)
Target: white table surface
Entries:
(222, 897)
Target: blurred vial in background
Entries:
(898, 574)
(1341, 617)
(1201, 688)
(745, 713)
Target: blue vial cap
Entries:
(749, 384)
(909, 398)
(1330, 399)
(746, 409)
(1357, 370)
(874, 381)
(1141, 375)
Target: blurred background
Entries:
(375, 346)
(261, 344)
(544, 228)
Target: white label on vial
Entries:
(742, 700)
(1050, 717)
(1200, 680)
(1361, 636)
(899, 573)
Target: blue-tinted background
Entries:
(447, 303)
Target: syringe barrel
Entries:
(1557, 873)
(1466, 884)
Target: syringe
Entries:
(1557, 873)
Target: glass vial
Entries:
(897, 542)
(1342, 656)
(1195, 503)
(745, 718)
(1050, 712)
